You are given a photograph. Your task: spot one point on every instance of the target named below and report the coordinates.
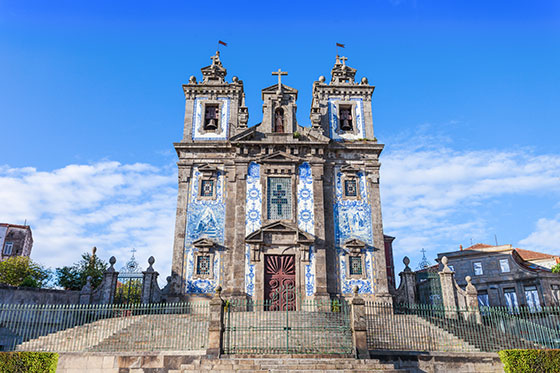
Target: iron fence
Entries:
(305, 327)
(432, 328)
(104, 328)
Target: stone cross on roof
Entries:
(215, 58)
(279, 73)
(343, 59)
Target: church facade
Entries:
(278, 204)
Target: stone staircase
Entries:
(143, 333)
(287, 363)
(159, 333)
(411, 333)
(79, 338)
(482, 336)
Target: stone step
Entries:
(281, 364)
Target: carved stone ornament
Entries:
(279, 233)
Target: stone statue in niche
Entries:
(279, 121)
(346, 119)
(211, 118)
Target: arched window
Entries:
(211, 117)
(346, 118)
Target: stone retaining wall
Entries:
(23, 295)
(396, 362)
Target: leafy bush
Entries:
(75, 277)
(556, 268)
(530, 361)
(28, 362)
(22, 271)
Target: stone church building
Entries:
(278, 204)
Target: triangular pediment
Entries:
(248, 134)
(278, 157)
(203, 242)
(354, 243)
(274, 89)
(207, 168)
(349, 169)
(280, 227)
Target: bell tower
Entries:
(214, 108)
(279, 108)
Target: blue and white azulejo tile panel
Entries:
(253, 220)
(359, 122)
(198, 120)
(352, 219)
(305, 206)
(205, 219)
(306, 219)
(310, 273)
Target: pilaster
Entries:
(177, 265)
(317, 172)
(372, 179)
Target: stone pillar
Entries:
(473, 313)
(448, 290)
(105, 292)
(216, 325)
(237, 185)
(359, 325)
(177, 265)
(372, 181)
(150, 288)
(86, 292)
(408, 281)
(317, 171)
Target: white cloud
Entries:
(546, 237)
(111, 206)
(432, 196)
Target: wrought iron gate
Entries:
(310, 327)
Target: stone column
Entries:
(472, 302)
(329, 198)
(317, 171)
(359, 325)
(448, 290)
(372, 182)
(106, 290)
(150, 289)
(238, 182)
(177, 264)
(216, 325)
(408, 281)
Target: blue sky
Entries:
(466, 102)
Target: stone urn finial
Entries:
(112, 261)
(406, 262)
(446, 268)
(151, 261)
(470, 288)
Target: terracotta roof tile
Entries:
(478, 246)
(533, 255)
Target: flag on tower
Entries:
(222, 42)
(340, 45)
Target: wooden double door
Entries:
(280, 282)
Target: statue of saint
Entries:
(279, 121)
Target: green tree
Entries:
(22, 271)
(556, 268)
(75, 277)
